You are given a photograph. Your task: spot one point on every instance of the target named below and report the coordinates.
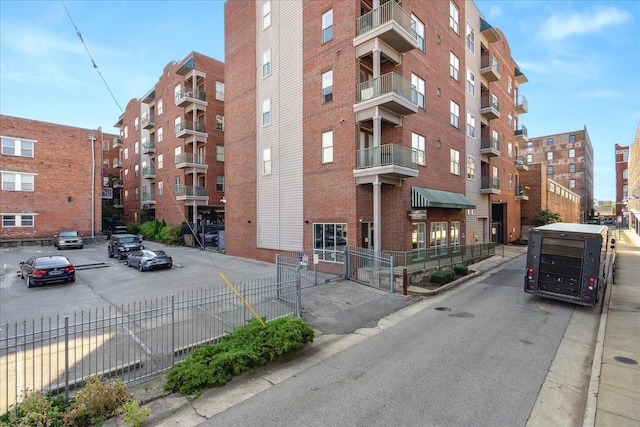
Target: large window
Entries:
(549, 155)
(327, 147)
(454, 114)
(471, 125)
(266, 64)
(327, 26)
(219, 183)
(220, 91)
(510, 181)
(529, 159)
(572, 183)
(418, 147)
(455, 161)
(160, 161)
(219, 122)
(159, 107)
(17, 220)
(266, 14)
(327, 86)
(471, 39)
(418, 240)
(510, 149)
(419, 32)
(454, 16)
(17, 147)
(471, 167)
(266, 112)
(471, 82)
(438, 238)
(329, 241)
(160, 134)
(454, 66)
(16, 181)
(220, 153)
(454, 235)
(266, 161)
(572, 152)
(572, 167)
(419, 84)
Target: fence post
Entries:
(173, 329)
(298, 292)
(346, 263)
(404, 280)
(278, 268)
(66, 357)
(392, 276)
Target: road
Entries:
(478, 356)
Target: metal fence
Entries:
(133, 341)
(370, 268)
(313, 270)
(443, 256)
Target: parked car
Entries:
(121, 245)
(211, 238)
(147, 259)
(68, 239)
(47, 269)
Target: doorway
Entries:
(367, 235)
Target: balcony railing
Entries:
(190, 126)
(521, 133)
(522, 164)
(390, 11)
(190, 191)
(388, 83)
(117, 203)
(490, 67)
(523, 191)
(490, 106)
(117, 163)
(490, 183)
(190, 95)
(190, 158)
(522, 104)
(148, 121)
(148, 147)
(149, 197)
(117, 142)
(148, 171)
(385, 155)
(490, 146)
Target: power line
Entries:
(90, 57)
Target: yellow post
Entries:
(242, 298)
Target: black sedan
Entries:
(47, 269)
(147, 259)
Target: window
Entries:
(549, 170)
(454, 66)
(136, 124)
(266, 112)
(219, 122)
(220, 91)
(266, 64)
(529, 159)
(509, 85)
(471, 168)
(177, 181)
(529, 144)
(177, 151)
(160, 161)
(495, 173)
(455, 235)
(327, 26)
(136, 170)
(327, 86)
(159, 107)
(126, 131)
(454, 114)
(17, 147)
(136, 147)
(471, 125)
(454, 15)
(552, 187)
(510, 181)
(471, 43)
(510, 149)
(327, 147)
(16, 181)
(160, 188)
(126, 195)
(625, 156)
(572, 152)
(219, 183)
(471, 82)
(126, 174)
(418, 149)
(625, 174)
(419, 84)
(572, 183)
(266, 15)
(549, 141)
(266, 161)
(418, 239)
(572, 138)
(549, 155)
(136, 193)
(126, 153)
(160, 134)
(455, 161)
(510, 119)
(572, 167)
(329, 241)
(419, 32)
(438, 235)
(220, 153)
(18, 220)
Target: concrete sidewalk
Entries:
(614, 392)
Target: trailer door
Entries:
(561, 266)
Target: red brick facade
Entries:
(622, 178)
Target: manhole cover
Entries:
(626, 360)
(443, 308)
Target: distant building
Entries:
(622, 182)
(568, 159)
(51, 179)
(633, 189)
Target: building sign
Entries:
(417, 214)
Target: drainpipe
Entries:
(93, 184)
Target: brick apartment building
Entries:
(568, 158)
(171, 145)
(633, 189)
(348, 124)
(51, 179)
(622, 182)
(545, 193)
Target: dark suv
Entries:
(121, 244)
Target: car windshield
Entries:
(127, 239)
(51, 262)
(157, 253)
(68, 234)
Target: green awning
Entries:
(118, 123)
(427, 198)
(186, 67)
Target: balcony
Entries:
(149, 172)
(148, 121)
(490, 67)
(522, 164)
(522, 105)
(522, 193)
(117, 142)
(490, 107)
(490, 146)
(149, 198)
(191, 96)
(187, 128)
(490, 185)
(389, 91)
(390, 163)
(117, 183)
(390, 24)
(190, 192)
(117, 163)
(148, 147)
(521, 134)
(194, 163)
(117, 203)
(489, 33)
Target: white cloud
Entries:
(559, 27)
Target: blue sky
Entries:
(582, 60)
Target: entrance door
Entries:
(367, 235)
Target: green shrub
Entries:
(170, 234)
(461, 270)
(97, 401)
(149, 229)
(133, 414)
(442, 277)
(133, 228)
(248, 346)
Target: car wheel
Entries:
(140, 267)
(110, 254)
(81, 246)
(73, 280)
(58, 247)
(126, 262)
(29, 282)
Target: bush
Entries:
(461, 270)
(98, 400)
(170, 234)
(443, 277)
(133, 228)
(248, 346)
(149, 229)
